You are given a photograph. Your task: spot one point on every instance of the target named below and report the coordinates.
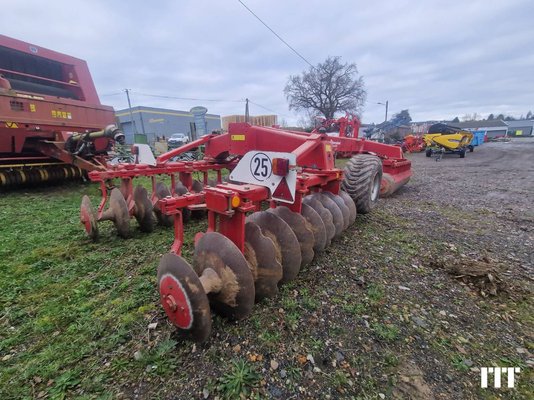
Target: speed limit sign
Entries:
(261, 166)
(256, 167)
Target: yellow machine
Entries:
(444, 138)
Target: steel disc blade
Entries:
(161, 192)
(331, 206)
(88, 218)
(236, 297)
(197, 186)
(183, 298)
(342, 207)
(317, 227)
(143, 209)
(325, 215)
(119, 211)
(300, 226)
(286, 243)
(260, 253)
(350, 204)
(180, 190)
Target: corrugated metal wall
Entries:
(159, 122)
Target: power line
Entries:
(111, 94)
(188, 98)
(276, 34)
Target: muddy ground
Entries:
(410, 302)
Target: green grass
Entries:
(70, 305)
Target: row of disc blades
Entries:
(145, 212)
(278, 243)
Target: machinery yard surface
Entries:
(410, 302)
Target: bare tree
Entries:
(327, 88)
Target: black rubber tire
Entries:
(471, 148)
(428, 152)
(462, 153)
(361, 175)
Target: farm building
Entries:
(523, 127)
(150, 123)
(492, 128)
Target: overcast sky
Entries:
(439, 59)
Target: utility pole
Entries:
(131, 114)
(247, 116)
(386, 104)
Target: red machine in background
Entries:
(52, 125)
(413, 144)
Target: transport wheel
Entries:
(183, 298)
(143, 209)
(471, 148)
(428, 152)
(462, 153)
(286, 243)
(235, 297)
(263, 260)
(363, 175)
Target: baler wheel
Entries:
(143, 209)
(363, 176)
(118, 213)
(326, 216)
(332, 207)
(261, 255)
(286, 243)
(302, 230)
(218, 255)
(161, 192)
(342, 207)
(88, 218)
(317, 227)
(350, 204)
(183, 297)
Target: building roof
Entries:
(494, 123)
(164, 111)
(520, 123)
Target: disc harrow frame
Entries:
(246, 251)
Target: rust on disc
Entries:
(217, 252)
(325, 215)
(317, 226)
(161, 192)
(118, 213)
(286, 243)
(301, 228)
(143, 209)
(180, 190)
(260, 253)
(331, 206)
(350, 204)
(183, 298)
(342, 207)
(88, 218)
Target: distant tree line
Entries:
(477, 117)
